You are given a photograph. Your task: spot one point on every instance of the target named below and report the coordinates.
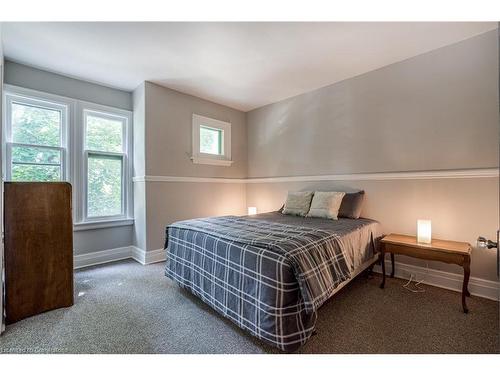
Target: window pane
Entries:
(210, 141)
(104, 134)
(24, 172)
(21, 154)
(104, 190)
(35, 125)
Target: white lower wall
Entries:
(461, 209)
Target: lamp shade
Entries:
(424, 229)
(252, 210)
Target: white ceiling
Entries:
(242, 65)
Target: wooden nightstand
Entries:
(440, 250)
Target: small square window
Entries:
(211, 141)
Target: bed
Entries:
(269, 273)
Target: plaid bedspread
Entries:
(317, 261)
(267, 277)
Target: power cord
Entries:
(417, 288)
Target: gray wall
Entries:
(88, 241)
(168, 134)
(172, 201)
(166, 137)
(36, 79)
(438, 110)
(434, 111)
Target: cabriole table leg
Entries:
(382, 260)
(392, 265)
(465, 286)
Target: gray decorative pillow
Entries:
(326, 204)
(351, 206)
(298, 203)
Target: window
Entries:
(52, 138)
(105, 164)
(211, 141)
(36, 133)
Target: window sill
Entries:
(211, 161)
(90, 225)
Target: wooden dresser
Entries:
(38, 248)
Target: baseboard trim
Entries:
(101, 257)
(121, 253)
(138, 255)
(148, 257)
(447, 280)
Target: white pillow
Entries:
(326, 204)
(298, 203)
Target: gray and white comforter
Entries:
(267, 273)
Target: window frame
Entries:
(84, 109)
(13, 95)
(73, 155)
(212, 159)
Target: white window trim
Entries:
(203, 158)
(81, 167)
(74, 169)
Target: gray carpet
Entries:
(125, 307)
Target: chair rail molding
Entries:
(189, 179)
(376, 176)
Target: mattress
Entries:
(269, 273)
